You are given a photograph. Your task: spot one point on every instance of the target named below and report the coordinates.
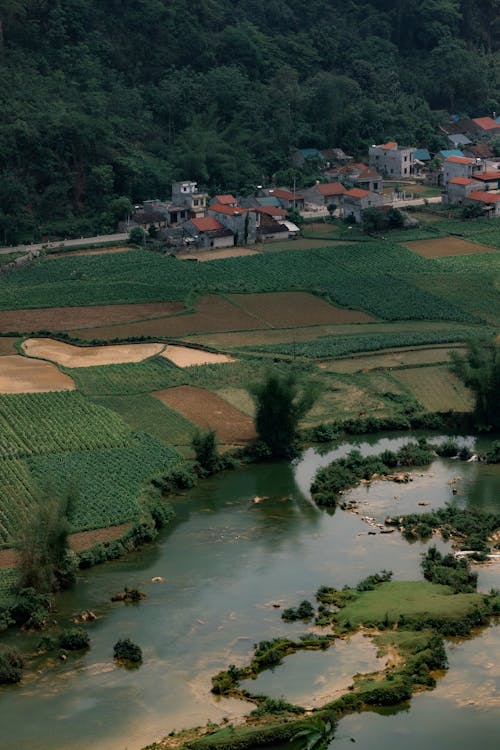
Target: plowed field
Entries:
(89, 356)
(443, 247)
(288, 309)
(6, 346)
(23, 375)
(67, 318)
(185, 356)
(210, 412)
(211, 313)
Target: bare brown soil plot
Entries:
(186, 356)
(22, 375)
(228, 252)
(89, 356)
(443, 247)
(210, 412)
(7, 345)
(211, 313)
(288, 309)
(67, 318)
(92, 251)
(436, 388)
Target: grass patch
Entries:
(436, 388)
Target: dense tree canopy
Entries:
(108, 98)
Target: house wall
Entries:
(243, 225)
(458, 193)
(392, 162)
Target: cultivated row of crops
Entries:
(338, 346)
(39, 423)
(16, 496)
(132, 377)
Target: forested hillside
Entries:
(102, 98)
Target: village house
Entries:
(489, 202)
(459, 188)
(186, 194)
(489, 180)
(391, 160)
(288, 199)
(356, 200)
(461, 166)
(488, 127)
(241, 221)
(208, 232)
(325, 194)
(224, 200)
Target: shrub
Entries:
(305, 611)
(74, 639)
(11, 665)
(126, 650)
(31, 609)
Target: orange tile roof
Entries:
(484, 196)
(206, 224)
(461, 181)
(459, 160)
(228, 210)
(285, 194)
(486, 123)
(357, 193)
(270, 210)
(389, 146)
(331, 188)
(487, 176)
(226, 200)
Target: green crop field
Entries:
(107, 482)
(144, 413)
(37, 423)
(16, 497)
(436, 388)
(8, 579)
(339, 346)
(133, 377)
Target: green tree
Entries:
(479, 370)
(205, 448)
(137, 236)
(281, 402)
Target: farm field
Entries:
(133, 377)
(91, 251)
(68, 318)
(186, 356)
(445, 246)
(7, 345)
(436, 388)
(22, 375)
(88, 356)
(394, 358)
(288, 309)
(228, 252)
(344, 399)
(211, 313)
(210, 412)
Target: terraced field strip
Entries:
(211, 313)
(288, 309)
(210, 412)
(394, 358)
(436, 388)
(89, 356)
(22, 375)
(229, 252)
(446, 246)
(68, 318)
(92, 251)
(186, 356)
(132, 377)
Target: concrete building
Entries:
(241, 221)
(356, 200)
(391, 160)
(209, 233)
(461, 166)
(186, 194)
(458, 189)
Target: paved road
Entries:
(83, 242)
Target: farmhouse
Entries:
(287, 198)
(208, 232)
(325, 194)
(186, 194)
(459, 188)
(461, 166)
(241, 221)
(489, 202)
(356, 200)
(392, 160)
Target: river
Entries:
(224, 563)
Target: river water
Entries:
(224, 563)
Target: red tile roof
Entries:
(459, 160)
(285, 194)
(226, 200)
(487, 176)
(228, 210)
(331, 188)
(486, 123)
(357, 193)
(206, 224)
(484, 196)
(461, 181)
(389, 146)
(270, 210)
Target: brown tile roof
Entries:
(486, 123)
(461, 181)
(206, 224)
(460, 160)
(389, 146)
(488, 176)
(331, 188)
(357, 193)
(228, 210)
(285, 194)
(484, 196)
(226, 200)
(271, 211)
